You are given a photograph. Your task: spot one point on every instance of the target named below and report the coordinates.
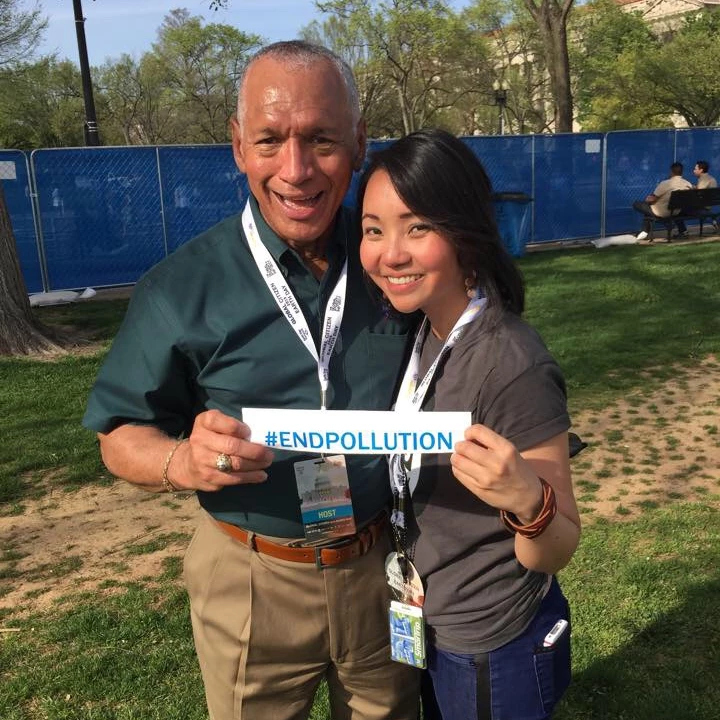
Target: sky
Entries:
(113, 27)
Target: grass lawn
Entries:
(645, 592)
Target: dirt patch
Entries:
(648, 450)
(644, 451)
(69, 542)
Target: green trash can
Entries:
(512, 212)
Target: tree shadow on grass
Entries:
(668, 663)
(97, 320)
(669, 671)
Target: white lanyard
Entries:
(411, 395)
(290, 308)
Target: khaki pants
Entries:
(267, 631)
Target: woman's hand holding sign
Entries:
(491, 468)
(494, 470)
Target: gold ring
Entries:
(223, 463)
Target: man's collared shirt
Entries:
(203, 331)
(662, 193)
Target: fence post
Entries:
(37, 222)
(533, 192)
(603, 187)
(162, 200)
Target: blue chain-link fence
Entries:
(15, 179)
(102, 216)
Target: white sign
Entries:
(7, 170)
(356, 432)
(592, 146)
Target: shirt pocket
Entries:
(372, 372)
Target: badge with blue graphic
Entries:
(407, 634)
(325, 501)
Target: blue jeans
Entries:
(521, 680)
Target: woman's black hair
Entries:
(441, 180)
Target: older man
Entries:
(204, 337)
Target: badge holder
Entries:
(405, 583)
(407, 634)
(325, 502)
(407, 625)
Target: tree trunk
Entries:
(562, 94)
(550, 16)
(20, 332)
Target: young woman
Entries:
(487, 527)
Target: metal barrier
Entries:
(15, 178)
(95, 217)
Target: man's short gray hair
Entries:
(301, 54)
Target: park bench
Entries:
(700, 205)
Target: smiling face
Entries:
(414, 265)
(298, 146)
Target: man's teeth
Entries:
(301, 202)
(404, 280)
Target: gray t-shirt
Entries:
(477, 595)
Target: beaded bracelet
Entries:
(166, 482)
(540, 523)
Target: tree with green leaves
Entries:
(20, 32)
(423, 55)
(201, 67)
(184, 90)
(391, 44)
(518, 65)
(135, 104)
(375, 93)
(629, 75)
(605, 53)
(41, 105)
(681, 75)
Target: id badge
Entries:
(325, 502)
(408, 590)
(407, 634)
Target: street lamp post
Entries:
(92, 137)
(501, 102)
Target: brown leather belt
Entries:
(327, 556)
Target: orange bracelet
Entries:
(538, 526)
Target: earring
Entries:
(470, 287)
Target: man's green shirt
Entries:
(203, 331)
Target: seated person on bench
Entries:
(704, 178)
(656, 204)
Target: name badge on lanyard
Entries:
(407, 634)
(323, 485)
(407, 628)
(325, 504)
(405, 470)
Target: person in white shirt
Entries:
(656, 204)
